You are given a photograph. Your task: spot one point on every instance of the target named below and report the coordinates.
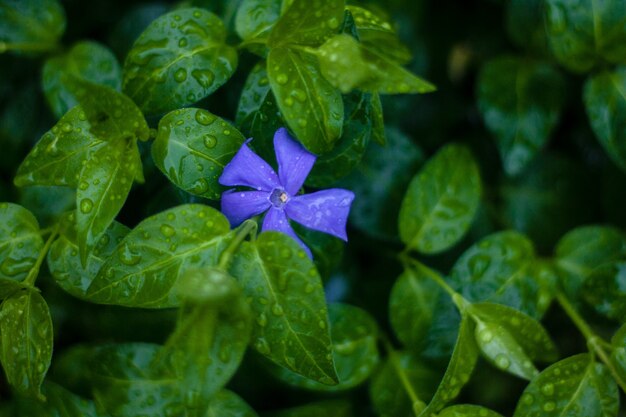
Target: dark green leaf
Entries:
(378, 123)
(255, 18)
(59, 156)
(349, 149)
(327, 250)
(59, 403)
(525, 25)
(603, 289)
(130, 381)
(441, 201)
(26, 341)
(402, 386)
(510, 339)
(575, 386)
(312, 108)
(618, 354)
(354, 335)
(287, 299)
(31, 25)
(146, 264)
(347, 65)
(306, 23)
(228, 404)
(459, 369)
(468, 411)
(334, 408)
(87, 60)
(20, 242)
(181, 58)
(192, 147)
(48, 204)
(605, 101)
(520, 101)
(584, 33)
(64, 262)
(585, 248)
(412, 305)
(501, 269)
(105, 181)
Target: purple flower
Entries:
(325, 211)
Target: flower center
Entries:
(279, 197)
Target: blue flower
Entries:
(277, 195)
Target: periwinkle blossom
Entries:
(277, 196)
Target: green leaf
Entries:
(148, 261)
(378, 123)
(347, 65)
(603, 289)
(312, 108)
(582, 250)
(335, 408)
(255, 18)
(354, 336)
(585, 33)
(618, 354)
(525, 25)
(349, 149)
(382, 176)
(228, 404)
(441, 201)
(306, 23)
(467, 411)
(130, 381)
(412, 306)
(287, 300)
(402, 385)
(31, 25)
(181, 58)
(511, 340)
(64, 262)
(59, 403)
(604, 95)
(20, 242)
(87, 60)
(105, 181)
(59, 156)
(26, 341)
(520, 101)
(459, 369)
(500, 269)
(192, 147)
(574, 386)
(48, 204)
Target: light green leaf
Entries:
(31, 25)
(582, 250)
(354, 336)
(148, 261)
(618, 354)
(64, 262)
(228, 404)
(59, 156)
(510, 339)
(181, 58)
(347, 65)
(192, 147)
(520, 101)
(378, 122)
(312, 108)
(20, 242)
(306, 23)
(287, 300)
(441, 201)
(586, 33)
(255, 18)
(26, 341)
(604, 95)
(468, 411)
(574, 386)
(87, 60)
(459, 369)
(105, 181)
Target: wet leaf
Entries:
(39, 22)
(20, 242)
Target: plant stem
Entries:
(594, 342)
(247, 43)
(34, 271)
(419, 267)
(248, 227)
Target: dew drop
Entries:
(277, 310)
(86, 205)
(204, 77)
(204, 117)
(282, 79)
(549, 406)
(167, 230)
(548, 389)
(502, 361)
(210, 141)
(180, 75)
(262, 346)
(200, 186)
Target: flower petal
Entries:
(326, 211)
(248, 169)
(294, 162)
(238, 206)
(277, 220)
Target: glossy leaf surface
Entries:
(20, 241)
